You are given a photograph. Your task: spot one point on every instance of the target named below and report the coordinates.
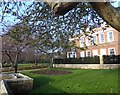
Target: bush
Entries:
(85, 60)
(114, 59)
(6, 65)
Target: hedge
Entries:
(85, 60)
(114, 59)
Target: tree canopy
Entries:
(51, 29)
(105, 10)
(36, 25)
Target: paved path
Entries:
(32, 70)
(28, 70)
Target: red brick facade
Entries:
(101, 42)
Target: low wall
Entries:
(87, 66)
(3, 88)
(15, 83)
(8, 76)
(22, 83)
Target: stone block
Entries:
(16, 83)
(87, 66)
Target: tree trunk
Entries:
(51, 64)
(104, 9)
(16, 63)
(10, 58)
(52, 57)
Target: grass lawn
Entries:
(32, 64)
(80, 81)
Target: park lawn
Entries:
(80, 81)
(25, 67)
(32, 64)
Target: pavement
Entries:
(28, 70)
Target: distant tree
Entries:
(52, 43)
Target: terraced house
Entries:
(104, 40)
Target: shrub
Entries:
(6, 65)
(85, 60)
(114, 59)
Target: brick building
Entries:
(104, 40)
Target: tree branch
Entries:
(8, 54)
(104, 9)
(108, 13)
(61, 8)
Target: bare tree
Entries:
(14, 42)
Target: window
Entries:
(110, 36)
(82, 54)
(102, 52)
(95, 52)
(101, 38)
(94, 39)
(87, 41)
(71, 54)
(87, 53)
(82, 42)
(111, 51)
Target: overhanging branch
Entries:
(104, 9)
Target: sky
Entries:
(117, 3)
(10, 20)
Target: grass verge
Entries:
(80, 81)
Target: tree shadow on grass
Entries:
(41, 86)
(41, 81)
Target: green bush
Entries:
(6, 65)
(85, 60)
(114, 59)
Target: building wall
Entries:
(106, 45)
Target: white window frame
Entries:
(87, 53)
(82, 40)
(100, 38)
(82, 54)
(93, 39)
(95, 54)
(103, 49)
(109, 51)
(87, 40)
(71, 56)
(108, 37)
